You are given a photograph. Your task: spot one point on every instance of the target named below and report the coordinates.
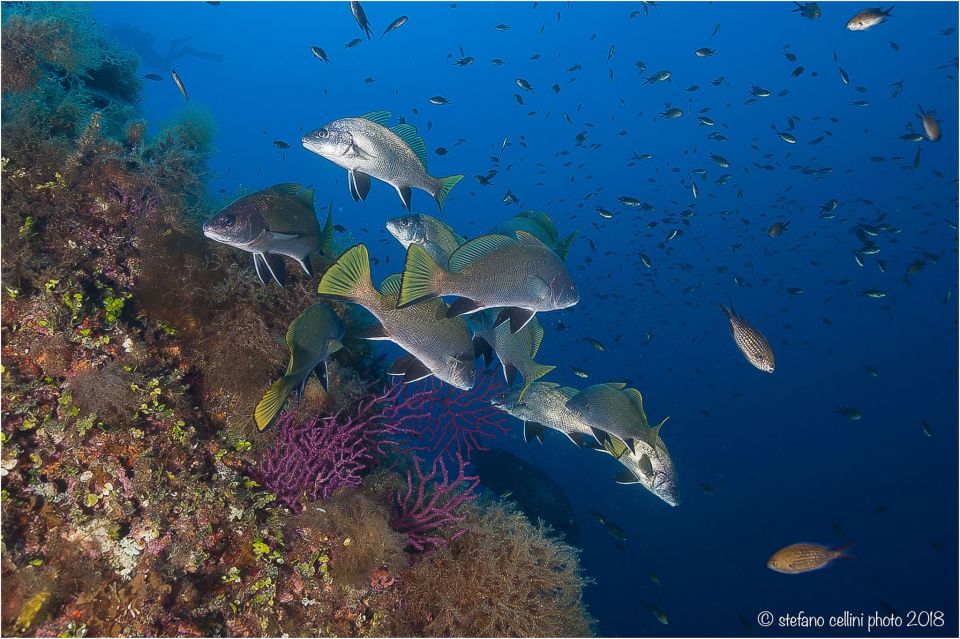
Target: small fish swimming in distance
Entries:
(319, 54)
(751, 342)
(179, 82)
(798, 558)
(365, 147)
(777, 228)
(361, 17)
(396, 24)
(868, 18)
(809, 10)
(615, 531)
(930, 125)
(311, 338)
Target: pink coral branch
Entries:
(427, 506)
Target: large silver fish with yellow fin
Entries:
(438, 345)
(521, 276)
(366, 148)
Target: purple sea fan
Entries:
(427, 504)
(322, 454)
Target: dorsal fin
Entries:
(536, 336)
(655, 430)
(637, 400)
(526, 213)
(290, 188)
(616, 385)
(391, 284)
(306, 195)
(378, 117)
(291, 330)
(479, 247)
(529, 239)
(544, 221)
(408, 133)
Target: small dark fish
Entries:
(320, 54)
(809, 10)
(439, 100)
(361, 17)
(396, 24)
(280, 144)
(526, 86)
(152, 76)
(352, 43)
(440, 150)
(615, 531)
(179, 82)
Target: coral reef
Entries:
(502, 578)
(424, 509)
(451, 422)
(130, 501)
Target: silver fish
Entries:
(270, 223)
(516, 351)
(366, 147)
(437, 345)
(520, 275)
(432, 235)
(868, 18)
(545, 406)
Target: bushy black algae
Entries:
(134, 351)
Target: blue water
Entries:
(781, 463)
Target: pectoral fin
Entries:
(410, 368)
(533, 430)
(359, 185)
(321, 372)
(405, 196)
(518, 317)
(462, 306)
(374, 332)
(268, 263)
(627, 477)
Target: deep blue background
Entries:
(781, 463)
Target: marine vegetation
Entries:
(138, 496)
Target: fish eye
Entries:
(228, 220)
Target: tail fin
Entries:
(727, 310)
(840, 552)
(446, 184)
(349, 277)
(532, 376)
(887, 12)
(419, 277)
(563, 247)
(326, 233)
(273, 400)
